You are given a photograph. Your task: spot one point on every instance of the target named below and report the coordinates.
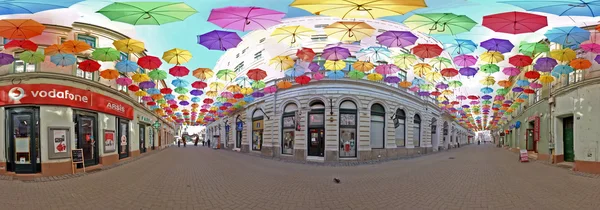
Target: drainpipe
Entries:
(274, 114)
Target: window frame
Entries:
(293, 127)
(381, 114)
(420, 121)
(397, 125)
(355, 127)
(261, 131)
(77, 37)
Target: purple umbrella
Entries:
(196, 92)
(314, 67)
(511, 71)
(424, 93)
(474, 102)
(445, 102)
(461, 97)
(258, 94)
(465, 60)
(219, 40)
(535, 85)
(245, 18)
(392, 79)
(597, 58)
(467, 71)
(441, 85)
(387, 69)
(227, 104)
(486, 97)
(517, 89)
(500, 45)
(6, 59)
(545, 64)
(508, 102)
(184, 103)
(397, 38)
(147, 84)
(335, 53)
(465, 106)
(414, 88)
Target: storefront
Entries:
(23, 144)
(257, 130)
(239, 127)
(145, 133)
(348, 137)
(288, 125)
(316, 129)
(86, 132)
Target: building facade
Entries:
(52, 111)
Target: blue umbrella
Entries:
(335, 74)
(153, 91)
(522, 82)
(169, 97)
(126, 66)
(562, 69)
(487, 90)
(154, 107)
(461, 46)
(523, 96)
(375, 54)
(180, 83)
(63, 59)
(570, 36)
(589, 8)
(418, 81)
(196, 99)
(294, 72)
(33, 6)
(248, 99)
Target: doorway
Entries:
(142, 135)
(23, 141)
(531, 144)
(316, 147)
(123, 133)
(85, 137)
(568, 139)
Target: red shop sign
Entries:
(51, 94)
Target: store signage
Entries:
(536, 129)
(144, 119)
(52, 94)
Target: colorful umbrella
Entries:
(449, 72)
(292, 34)
(397, 38)
(441, 63)
(427, 50)
(140, 77)
(375, 54)
(20, 28)
(467, 71)
(491, 57)
(580, 64)
(104, 54)
(589, 47)
(75, 46)
(500, 45)
(177, 56)
(33, 6)
(245, 18)
(334, 65)
(335, 53)
(511, 71)
(545, 64)
(387, 69)
(440, 23)
(532, 48)
(110, 74)
(520, 60)
(489, 68)
(348, 9)
(158, 75)
(219, 40)
(306, 55)
(563, 54)
(461, 46)
(124, 81)
(129, 46)
(465, 60)
(32, 57)
(147, 13)
(179, 71)
(561, 8)
(147, 85)
(356, 74)
(256, 74)
(302, 80)
(404, 60)
(546, 79)
(363, 66)
(203, 73)
(89, 66)
(568, 36)
(63, 59)
(562, 69)
(126, 66)
(335, 74)
(23, 44)
(532, 75)
(6, 58)
(294, 72)
(149, 62)
(226, 75)
(515, 22)
(282, 63)
(349, 31)
(433, 76)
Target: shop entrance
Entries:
(123, 137)
(85, 135)
(142, 135)
(23, 142)
(316, 146)
(531, 145)
(568, 139)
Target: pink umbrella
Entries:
(535, 85)
(318, 76)
(245, 18)
(387, 69)
(124, 81)
(511, 71)
(465, 60)
(227, 94)
(146, 98)
(270, 89)
(591, 47)
(461, 97)
(206, 106)
(414, 88)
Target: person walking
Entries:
(209, 143)
(178, 143)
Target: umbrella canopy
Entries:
(500, 45)
(532, 48)
(467, 71)
(177, 56)
(440, 23)
(561, 8)
(335, 53)
(568, 36)
(179, 71)
(6, 58)
(306, 55)
(256, 74)
(375, 54)
(440, 63)
(589, 47)
(139, 77)
(356, 74)
(363, 66)
(371, 9)
(63, 59)
(515, 22)
(32, 57)
(449, 72)
(465, 60)
(105, 54)
(75, 46)
(404, 60)
(335, 74)
(226, 75)
(334, 65)
(147, 13)
(203, 73)
(20, 28)
(489, 68)
(520, 60)
(245, 18)
(511, 71)
(158, 75)
(461, 46)
(219, 40)
(387, 69)
(57, 49)
(149, 62)
(126, 66)
(563, 54)
(349, 31)
(427, 50)
(33, 6)
(23, 44)
(89, 66)
(110, 74)
(282, 63)
(292, 34)
(421, 69)
(129, 46)
(397, 38)
(491, 57)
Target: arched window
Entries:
(288, 125)
(239, 127)
(417, 131)
(433, 126)
(400, 125)
(377, 126)
(257, 130)
(348, 137)
(316, 129)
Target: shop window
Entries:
(400, 127)
(90, 40)
(258, 55)
(20, 66)
(81, 73)
(402, 75)
(257, 130)
(288, 129)
(417, 131)
(348, 137)
(377, 126)
(239, 67)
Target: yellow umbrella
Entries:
(334, 65)
(433, 76)
(242, 103)
(284, 84)
(363, 66)
(141, 93)
(216, 86)
(246, 91)
(292, 34)
(375, 77)
(422, 69)
(129, 46)
(563, 54)
(349, 31)
(347, 9)
(491, 57)
(404, 60)
(233, 88)
(203, 73)
(177, 56)
(447, 92)
(281, 63)
(183, 97)
(164, 105)
(211, 93)
(546, 79)
(489, 80)
(139, 77)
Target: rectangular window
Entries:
(321, 25)
(62, 39)
(319, 37)
(258, 55)
(124, 56)
(402, 75)
(377, 139)
(81, 73)
(575, 76)
(316, 120)
(20, 66)
(257, 134)
(122, 88)
(87, 39)
(262, 40)
(239, 67)
(348, 134)
(400, 133)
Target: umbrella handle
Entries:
(248, 22)
(434, 27)
(149, 16)
(293, 38)
(443, 29)
(350, 34)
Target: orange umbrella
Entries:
(405, 84)
(504, 83)
(75, 46)
(20, 28)
(284, 84)
(203, 73)
(55, 49)
(580, 63)
(109, 74)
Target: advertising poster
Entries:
(109, 141)
(60, 141)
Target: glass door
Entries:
(23, 148)
(142, 134)
(316, 146)
(85, 128)
(123, 133)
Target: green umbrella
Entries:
(440, 62)
(440, 23)
(486, 102)
(237, 106)
(32, 57)
(455, 84)
(426, 87)
(161, 101)
(404, 60)
(157, 75)
(147, 13)
(489, 68)
(356, 74)
(531, 48)
(181, 90)
(502, 91)
(221, 99)
(106, 54)
(226, 75)
(258, 84)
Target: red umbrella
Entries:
(473, 97)
(306, 54)
(427, 50)
(151, 103)
(256, 74)
(23, 44)
(166, 91)
(436, 93)
(520, 60)
(133, 88)
(238, 95)
(515, 22)
(302, 79)
(179, 71)
(532, 75)
(173, 106)
(149, 62)
(89, 66)
(449, 72)
(529, 91)
(208, 101)
(199, 85)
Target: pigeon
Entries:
(336, 180)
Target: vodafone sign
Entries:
(51, 94)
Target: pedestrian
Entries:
(178, 143)
(184, 143)
(209, 143)
(196, 142)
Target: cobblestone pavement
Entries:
(479, 177)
